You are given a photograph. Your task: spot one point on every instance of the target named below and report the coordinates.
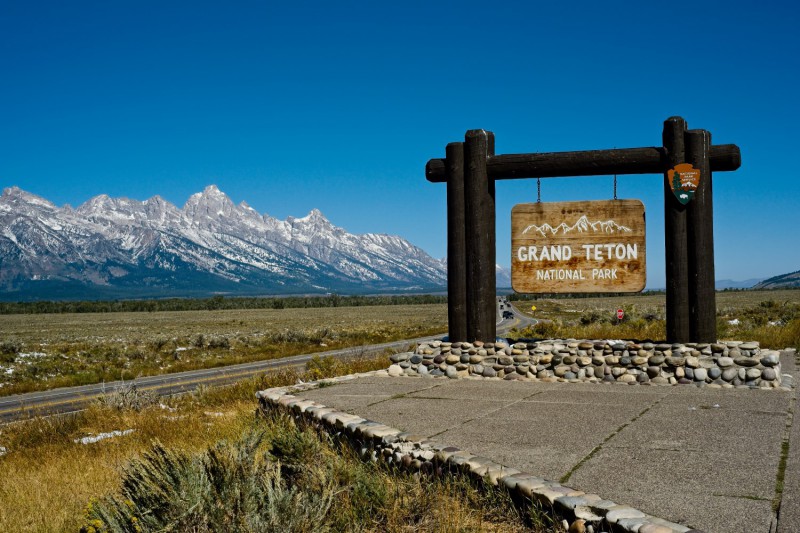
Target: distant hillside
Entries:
(784, 281)
(503, 277)
(722, 284)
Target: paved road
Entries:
(70, 399)
(519, 321)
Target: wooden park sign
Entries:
(569, 247)
(471, 168)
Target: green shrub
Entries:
(321, 367)
(158, 343)
(9, 349)
(294, 451)
(652, 317)
(365, 491)
(219, 342)
(246, 486)
(129, 397)
(594, 316)
(543, 330)
(229, 487)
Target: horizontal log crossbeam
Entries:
(652, 160)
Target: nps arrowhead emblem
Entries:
(684, 180)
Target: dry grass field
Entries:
(50, 481)
(729, 303)
(770, 317)
(52, 350)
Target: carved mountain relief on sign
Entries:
(578, 247)
(582, 225)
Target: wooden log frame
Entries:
(471, 168)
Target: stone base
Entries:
(723, 364)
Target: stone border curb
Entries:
(374, 441)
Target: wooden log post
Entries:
(456, 248)
(675, 240)
(480, 237)
(489, 305)
(700, 233)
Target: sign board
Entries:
(620, 314)
(684, 180)
(563, 247)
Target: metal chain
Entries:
(615, 182)
(538, 190)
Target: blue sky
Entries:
(338, 105)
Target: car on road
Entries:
(508, 314)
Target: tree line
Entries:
(213, 303)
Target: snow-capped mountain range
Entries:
(118, 247)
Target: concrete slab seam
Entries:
(599, 447)
(484, 415)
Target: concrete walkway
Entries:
(705, 458)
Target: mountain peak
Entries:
(16, 195)
(210, 192)
(313, 218)
(314, 214)
(100, 204)
(155, 200)
(211, 203)
(100, 199)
